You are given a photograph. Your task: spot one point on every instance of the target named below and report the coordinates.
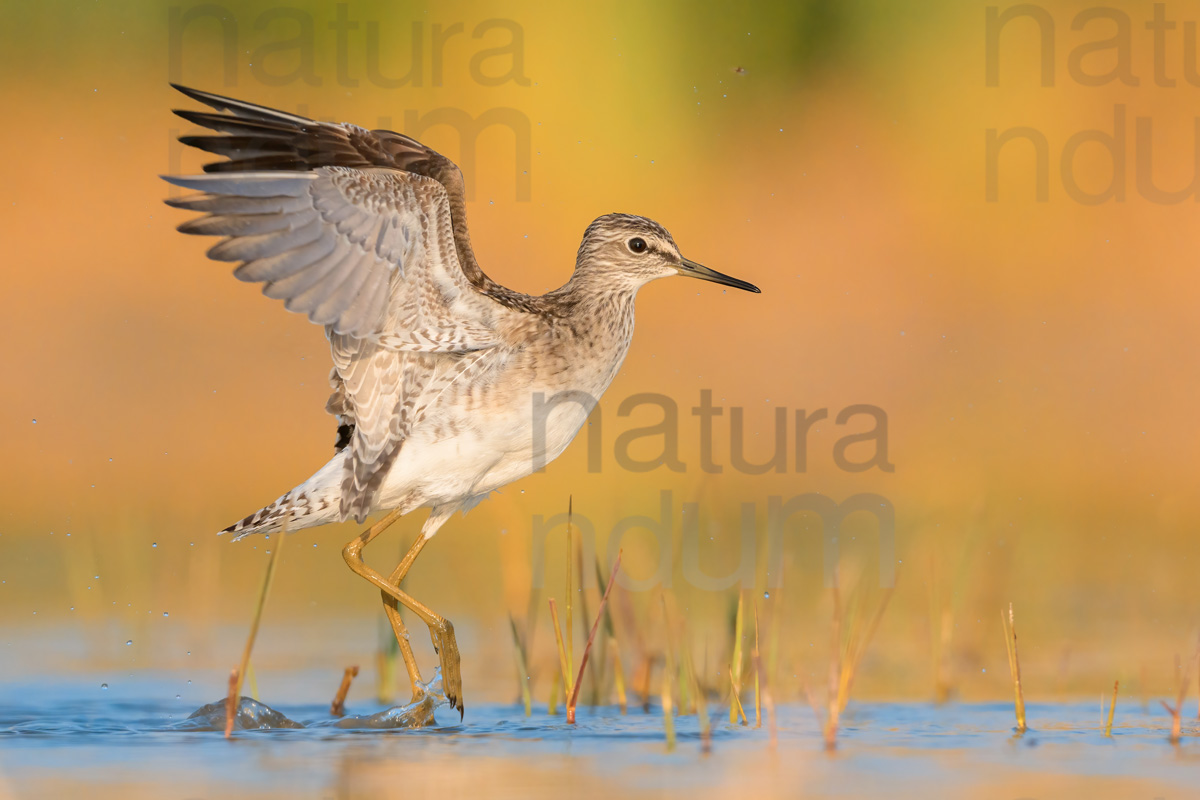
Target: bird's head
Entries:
(627, 251)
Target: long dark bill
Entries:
(694, 270)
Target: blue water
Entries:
(63, 738)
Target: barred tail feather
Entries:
(312, 503)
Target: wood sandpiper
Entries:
(435, 366)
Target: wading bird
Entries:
(435, 365)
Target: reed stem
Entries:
(1014, 665)
(668, 705)
(231, 703)
(1112, 707)
(262, 601)
(569, 631)
(562, 653)
(735, 665)
(574, 695)
(757, 673)
(522, 670)
(338, 707)
(618, 675)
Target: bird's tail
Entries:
(312, 503)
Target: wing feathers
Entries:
(226, 204)
(248, 224)
(247, 184)
(354, 229)
(241, 107)
(248, 248)
(293, 286)
(276, 268)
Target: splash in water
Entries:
(255, 716)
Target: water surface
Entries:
(71, 738)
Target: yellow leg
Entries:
(393, 613)
(398, 628)
(441, 631)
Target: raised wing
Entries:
(341, 245)
(261, 139)
(370, 253)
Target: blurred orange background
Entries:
(1036, 359)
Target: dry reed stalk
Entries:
(632, 631)
(771, 727)
(1112, 707)
(338, 707)
(757, 674)
(829, 725)
(531, 621)
(584, 616)
(570, 630)
(562, 652)
(574, 697)
(687, 701)
(1176, 723)
(1014, 665)
(833, 711)
(735, 705)
(262, 600)
(698, 693)
(735, 664)
(231, 703)
(618, 674)
(1181, 682)
(844, 661)
(668, 671)
(668, 711)
(760, 676)
(522, 670)
(647, 671)
(856, 648)
(552, 703)
(253, 678)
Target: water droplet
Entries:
(154, 544)
(189, 682)
(128, 643)
(165, 614)
(104, 686)
(178, 697)
(766, 595)
(35, 422)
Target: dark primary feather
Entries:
(262, 138)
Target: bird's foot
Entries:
(446, 647)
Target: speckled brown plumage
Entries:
(366, 232)
(446, 385)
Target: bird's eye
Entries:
(637, 244)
